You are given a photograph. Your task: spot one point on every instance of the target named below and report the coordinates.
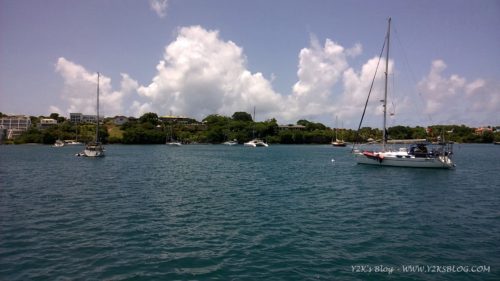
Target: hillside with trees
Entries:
(151, 129)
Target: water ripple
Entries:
(232, 213)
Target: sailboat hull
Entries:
(94, 150)
(439, 162)
(256, 143)
(93, 153)
(339, 144)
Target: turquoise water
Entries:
(204, 212)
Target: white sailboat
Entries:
(418, 155)
(230, 142)
(255, 142)
(95, 148)
(338, 142)
(171, 141)
(75, 141)
(58, 143)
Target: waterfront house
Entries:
(47, 122)
(172, 119)
(15, 125)
(82, 118)
(482, 130)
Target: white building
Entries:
(82, 118)
(47, 122)
(15, 125)
(75, 117)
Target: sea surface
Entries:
(213, 212)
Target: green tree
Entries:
(32, 135)
(496, 136)
(266, 128)
(242, 116)
(311, 126)
(218, 128)
(367, 133)
(418, 133)
(487, 137)
(215, 119)
(399, 132)
(35, 120)
(293, 137)
(286, 137)
(150, 117)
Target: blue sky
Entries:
(294, 59)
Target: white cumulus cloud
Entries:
(356, 86)
(202, 74)
(80, 89)
(159, 7)
(455, 100)
(327, 85)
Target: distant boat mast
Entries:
(97, 127)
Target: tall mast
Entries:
(336, 127)
(97, 127)
(253, 131)
(384, 136)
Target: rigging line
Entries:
(412, 73)
(369, 92)
(392, 94)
